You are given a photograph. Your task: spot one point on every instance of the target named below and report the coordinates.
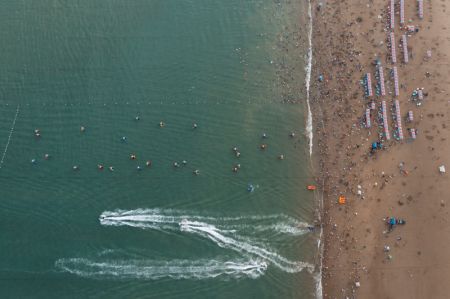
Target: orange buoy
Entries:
(311, 187)
(341, 200)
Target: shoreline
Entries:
(360, 258)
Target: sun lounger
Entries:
(398, 119)
(410, 116)
(369, 91)
(368, 124)
(405, 49)
(402, 12)
(392, 14)
(420, 94)
(381, 80)
(420, 8)
(413, 133)
(396, 88)
(393, 49)
(385, 120)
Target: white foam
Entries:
(308, 68)
(152, 270)
(10, 134)
(167, 219)
(221, 239)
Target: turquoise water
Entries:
(235, 68)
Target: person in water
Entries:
(292, 135)
(161, 124)
(46, 156)
(100, 167)
(75, 168)
(194, 126)
(148, 163)
(111, 168)
(133, 157)
(196, 172)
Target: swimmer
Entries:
(175, 164)
(184, 162)
(292, 135)
(37, 131)
(37, 135)
(238, 154)
(235, 149)
(33, 161)
(238, 166)
(46, 156)
(194, 126)
(264, 135)
(196, 172)
(235, 169)
(111, 168)
(137, 117)
(82, 128)
(75, 167)
(133, 157)
(281, 157)
(263, 146)
(161, 124)
(124, 139)
(148, 163)
(139, 168)
(100, 167)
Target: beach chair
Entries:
(420, 8)
(393, 50)
(402, 12)
(392, 14)
(396, 84)
(368, 124)
(405, 49)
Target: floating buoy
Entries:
(311, 187)
(341, 200)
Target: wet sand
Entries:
(348, 36)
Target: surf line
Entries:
(308, 68)
(10, 134)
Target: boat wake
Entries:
(233, 233)
(220, 238)
(170, 220)
(152, 270)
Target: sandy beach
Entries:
(402, 180)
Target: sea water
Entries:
(234, 68)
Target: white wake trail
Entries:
(152, 270)
(9, 136)
(169, 220)
(219, 238)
